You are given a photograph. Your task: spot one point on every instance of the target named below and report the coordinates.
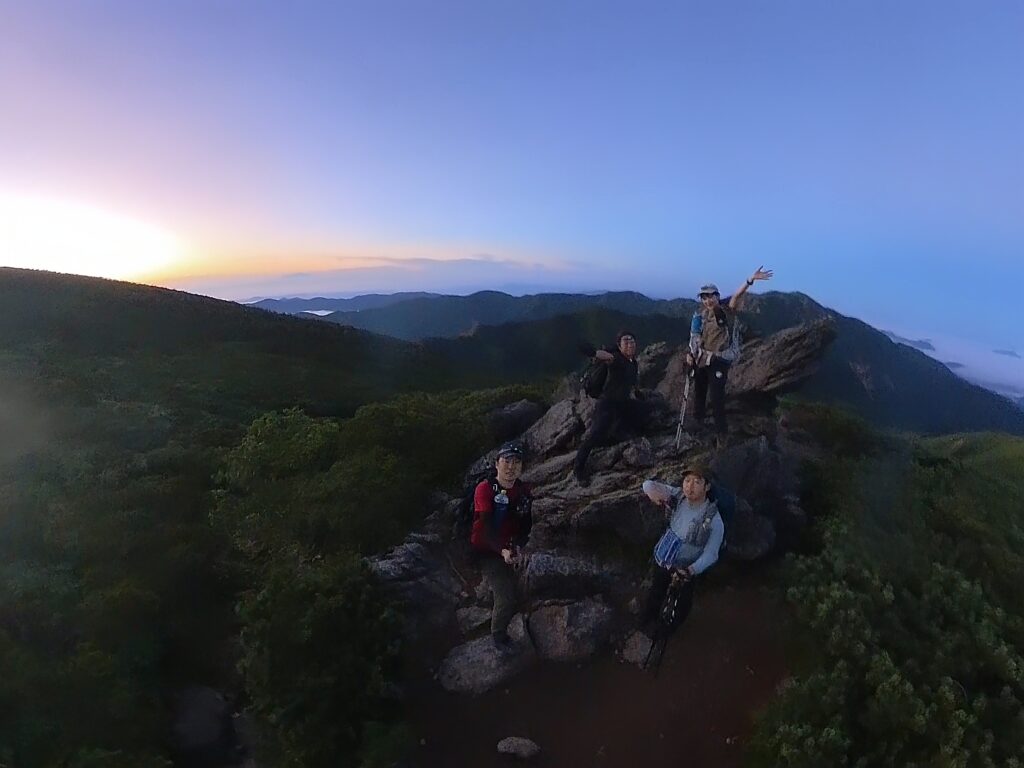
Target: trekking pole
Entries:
(655, 642)
(682, 408)
(666, 621)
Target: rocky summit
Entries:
(590, 546)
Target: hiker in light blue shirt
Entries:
(691, 543)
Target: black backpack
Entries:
(726, 502)
(464, 514)
(594, 378)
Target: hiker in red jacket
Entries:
(501, 525)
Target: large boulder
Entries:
(514, 419)
(622, 513)
(478, 666)
(750, 536)
(552, 470)
(570, 632)
(472, 617)
(568, 576)
(653, 362)
(556, 428)
(419, 577)
(754, 470)
(781, 361)
(768, 366)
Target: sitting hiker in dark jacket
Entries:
(501, 525)
(619, 399)
(690, 545)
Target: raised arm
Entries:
(598, 354)
(760, 274)
(660, 493)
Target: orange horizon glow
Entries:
(66, 236)
(218, 263)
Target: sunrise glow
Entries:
(65, 236)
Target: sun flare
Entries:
(64, 236)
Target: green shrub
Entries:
(318, 646)
(920, 639)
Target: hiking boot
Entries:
(503, 643)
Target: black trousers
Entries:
(710, 380)
(630, 412)
(660, 581)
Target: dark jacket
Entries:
(623, 374)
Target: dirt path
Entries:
(721, 667)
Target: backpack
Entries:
(464, 514)
(725, 500)
(593, 379)
(726, 323)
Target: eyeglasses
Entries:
(628, 338)
(708, 295)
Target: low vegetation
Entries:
(912, 598)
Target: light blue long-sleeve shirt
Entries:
(685, 515)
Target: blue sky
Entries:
(872, 153)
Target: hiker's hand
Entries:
(689, 359)
(762, 274)
(604, 356)
(506, 555)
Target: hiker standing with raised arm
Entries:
(501, 526)
(619, 400)
(714, 346)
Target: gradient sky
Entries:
(872, 153)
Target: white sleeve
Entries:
(710, 554)
(661, 489)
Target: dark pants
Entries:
(710, 380)
(630, 412)
(661, 579)
(502, 581)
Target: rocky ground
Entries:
(720, 669)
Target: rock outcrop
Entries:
(590, 546)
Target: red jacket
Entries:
(511, 505)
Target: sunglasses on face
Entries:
(708, 295)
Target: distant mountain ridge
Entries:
(121, 341)
(295, 305)
(446, 316)
(891, 384)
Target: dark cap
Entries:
(624, 332)
(699, 469)
(511, 448)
